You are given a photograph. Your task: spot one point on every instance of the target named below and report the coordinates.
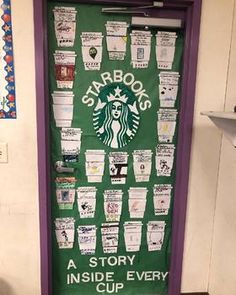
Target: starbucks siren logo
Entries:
(116, 117)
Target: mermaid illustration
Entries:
(116, 117)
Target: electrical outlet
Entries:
(3, 152)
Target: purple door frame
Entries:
(192, 11)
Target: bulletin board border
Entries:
(192, 12)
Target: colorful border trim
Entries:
(7, 102)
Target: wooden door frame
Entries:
(192, 9)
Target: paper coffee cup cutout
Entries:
(65, 25)
(137, 201)
(110, 237)
(165, 49)
(164, 159)
(118, 165)
(65, 68)
(166, 124)
(132, 235)
(116, 39)
(86, 199)
(87, 239)
(155, 235)
(112, 204)
(140, 48)
(92, 50)
(70, 144)
(161, 198)
(65, 232)
(65, 192)
(95, 162)
(142, 164)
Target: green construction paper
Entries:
(69, 261)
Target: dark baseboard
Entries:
(195, 293)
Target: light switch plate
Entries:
(3, 152)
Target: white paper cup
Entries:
(161, 205)
(87, 239)
(64, 229)
(91, 39)
(169, 78)
(113, 204)
(155, 235)
(142, 164)
(116, 28)
(71, 134)
(118, 166)
(137, 202)
(95, 165)
(132, 235)
(86, 201)
(110, 237)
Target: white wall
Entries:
(215, 38)
(19, 228)
(223, 274)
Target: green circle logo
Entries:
(116, 116)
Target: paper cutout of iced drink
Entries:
(168, 89)
(140, 48)
(110, 237)
(86, 200)
(65, 232)
(118, 166)
(113, 204)
(161, 198)
(164, 159)
(95, 162)
(92, 50)
(142, 164)
(65, 191)
(65, 68)
(116, 39)
(137, 201)
(132, 235)
(155, 235)
(70, 144)
(166, 124)
(87, 239)
(65, 25)
(165, 49)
